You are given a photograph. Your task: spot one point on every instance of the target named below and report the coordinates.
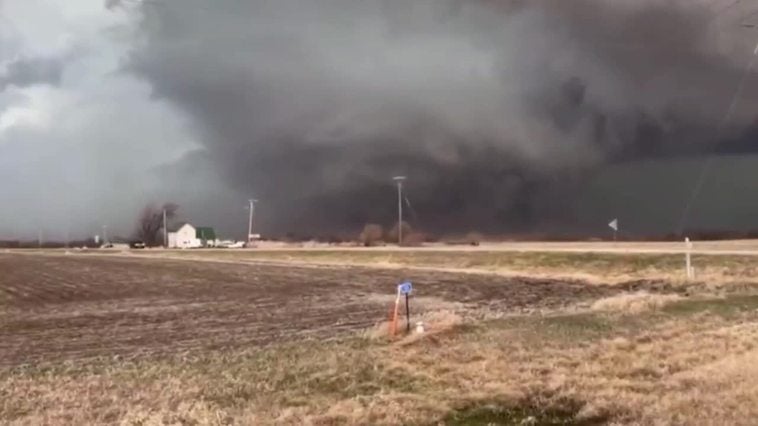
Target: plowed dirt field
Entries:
(69, 308)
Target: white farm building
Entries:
(183, 236)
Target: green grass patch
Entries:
(577, 324)
(726, 307)
(562, 328)
(562, 412)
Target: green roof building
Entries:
(205, 234)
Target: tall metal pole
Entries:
(399, 180)
(165, 230)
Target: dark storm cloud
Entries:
(496, 110)
(23, 72)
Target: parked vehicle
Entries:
(230, 244)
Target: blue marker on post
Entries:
(406, 288)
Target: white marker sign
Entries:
(405, 288)
(614, 224)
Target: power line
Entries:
(727, 7)
(708, 162)
(412, 210)
(748, 16)
(700, 181)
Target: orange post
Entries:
(393, 322)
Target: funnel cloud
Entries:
(496, 110)
(501, 113)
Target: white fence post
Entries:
(688, 259)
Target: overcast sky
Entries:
(505, 116)
(79, 139)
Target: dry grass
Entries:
(688, 361)
(634, 303)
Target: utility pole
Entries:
(252, 202)
(399, 180)
(165, 230)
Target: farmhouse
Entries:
(184, 236)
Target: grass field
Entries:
(292, 338)
(597, 267)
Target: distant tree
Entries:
(371, 234)
(151, 223)
(392, 234)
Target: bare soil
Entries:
(64, 308)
